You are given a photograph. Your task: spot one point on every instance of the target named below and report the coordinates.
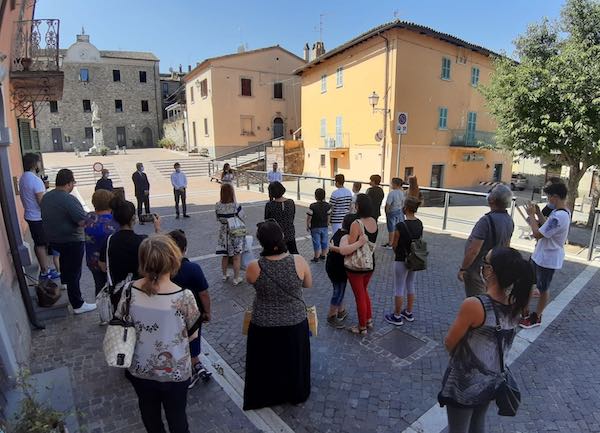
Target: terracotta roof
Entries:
(397, 24)
(208, 61)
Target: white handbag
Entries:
(103, 303)
(120, 337)
(362, 259)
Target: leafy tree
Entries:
(548, 103)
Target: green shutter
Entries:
(25, 135)
(35, 139)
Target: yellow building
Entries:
(241, 99)
(430, 75)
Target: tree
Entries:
(548, 103)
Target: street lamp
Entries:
(373, 101)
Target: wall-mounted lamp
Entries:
(374, 100)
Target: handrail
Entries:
(244, 149)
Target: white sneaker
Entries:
(225, 277)
(237, 281)
(85, 308)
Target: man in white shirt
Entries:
(274, 175)
(340, 202)
(31, 191)
(179, 182)
(549, 252)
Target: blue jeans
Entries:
(339, 289)
(195, 345)
(393, 218)
(320, 239)
(71, 256)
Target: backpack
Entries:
(416, 255)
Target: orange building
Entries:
(352, 97)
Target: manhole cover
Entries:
(400, 343)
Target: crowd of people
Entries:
(498, 282)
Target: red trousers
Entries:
(359, 283)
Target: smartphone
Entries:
(147, 218)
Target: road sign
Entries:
(98, 166)
(402, 123)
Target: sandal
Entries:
(356, 330)
(370, 323)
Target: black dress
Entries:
(278, 348)
(284, 212)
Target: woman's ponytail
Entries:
(513, 273)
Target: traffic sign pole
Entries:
(398, 155)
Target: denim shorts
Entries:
(543, 277)
(320, 238)
(393, 218)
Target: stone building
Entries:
(126, 87)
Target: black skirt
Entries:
(277, 365)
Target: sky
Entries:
(188, 31)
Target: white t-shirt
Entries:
(550, 250)
(395, 200)
(29, 186)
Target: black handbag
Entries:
(508, 396)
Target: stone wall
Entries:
(175, 130)
(294, 156)
(101, 88)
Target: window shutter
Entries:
(25, 135)
(35, 139)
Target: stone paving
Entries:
(356, 387)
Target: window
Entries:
(338, 132)
(497, 176)
(145, 105)
(89, 132)
(192, 94)
(116, 75)
(87, 106)
(204, 88)
(194, 133)
(278, 90)
(322, 160)
(443, 118)
(323, 83)
(206, 127)
(471, 128)
(84, 75)
(446, 68)
(142, 76)
(165, 89)
(54, 106)
(118, 105)
(408, 172)
(247, 124)
(323, 128)
(339, 77)
(246, 87)
(474, 76)
(437, 176)
(121, 137)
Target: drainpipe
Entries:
(9, 214)
(385, 104)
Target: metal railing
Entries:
(35, 45)
(234, 157)
(433, 195)
(466, 138)
(336, 141)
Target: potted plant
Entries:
(35, 417)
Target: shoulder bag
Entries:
(105, 308)
(416, 255)
(236, 225)
(120, 338)
(362, 258)
(508, 396)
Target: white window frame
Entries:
(323, 127)
(339, 77)
(475, 73)
(443, 110)
(446, 64)
(324, 83)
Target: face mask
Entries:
(177, 170)
(105, 176)
(142, 169)
(551, 206)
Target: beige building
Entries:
(241, 99)
(126, 87)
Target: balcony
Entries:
(35, 73)
(338, 141)
(464, 138)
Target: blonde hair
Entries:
(101, 200)
(158, 255)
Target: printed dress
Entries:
(228, 245)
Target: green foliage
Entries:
(167, 143)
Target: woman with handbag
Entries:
(278, 348)
(163, 314)
(361, 263)
(282, 210)
(232, 232)
(480, 337)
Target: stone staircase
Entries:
(85, 175)
(191, 167)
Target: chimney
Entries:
(189, 68)
(320, 48)
(306, 53)
(180, 68)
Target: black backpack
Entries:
(416, 255)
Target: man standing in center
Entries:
(340, 202)
(142, 189)
(375, 193)
(274, 175)
(179, 182)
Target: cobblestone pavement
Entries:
(382, 383)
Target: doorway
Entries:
(497, 177)
(57, 141)
(121, 137)
(278, 127)
(334, 166)
(147, 137)
(437, 176)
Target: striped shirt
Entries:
(340, 201)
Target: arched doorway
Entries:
(147, 137)
(278, 127)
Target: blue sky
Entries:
(188, 31)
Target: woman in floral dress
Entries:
(229, 244)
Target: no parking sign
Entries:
(402, 123)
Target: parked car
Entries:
(518, 181)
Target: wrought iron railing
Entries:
(466, 138)
(337, 141)
(36, 45)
